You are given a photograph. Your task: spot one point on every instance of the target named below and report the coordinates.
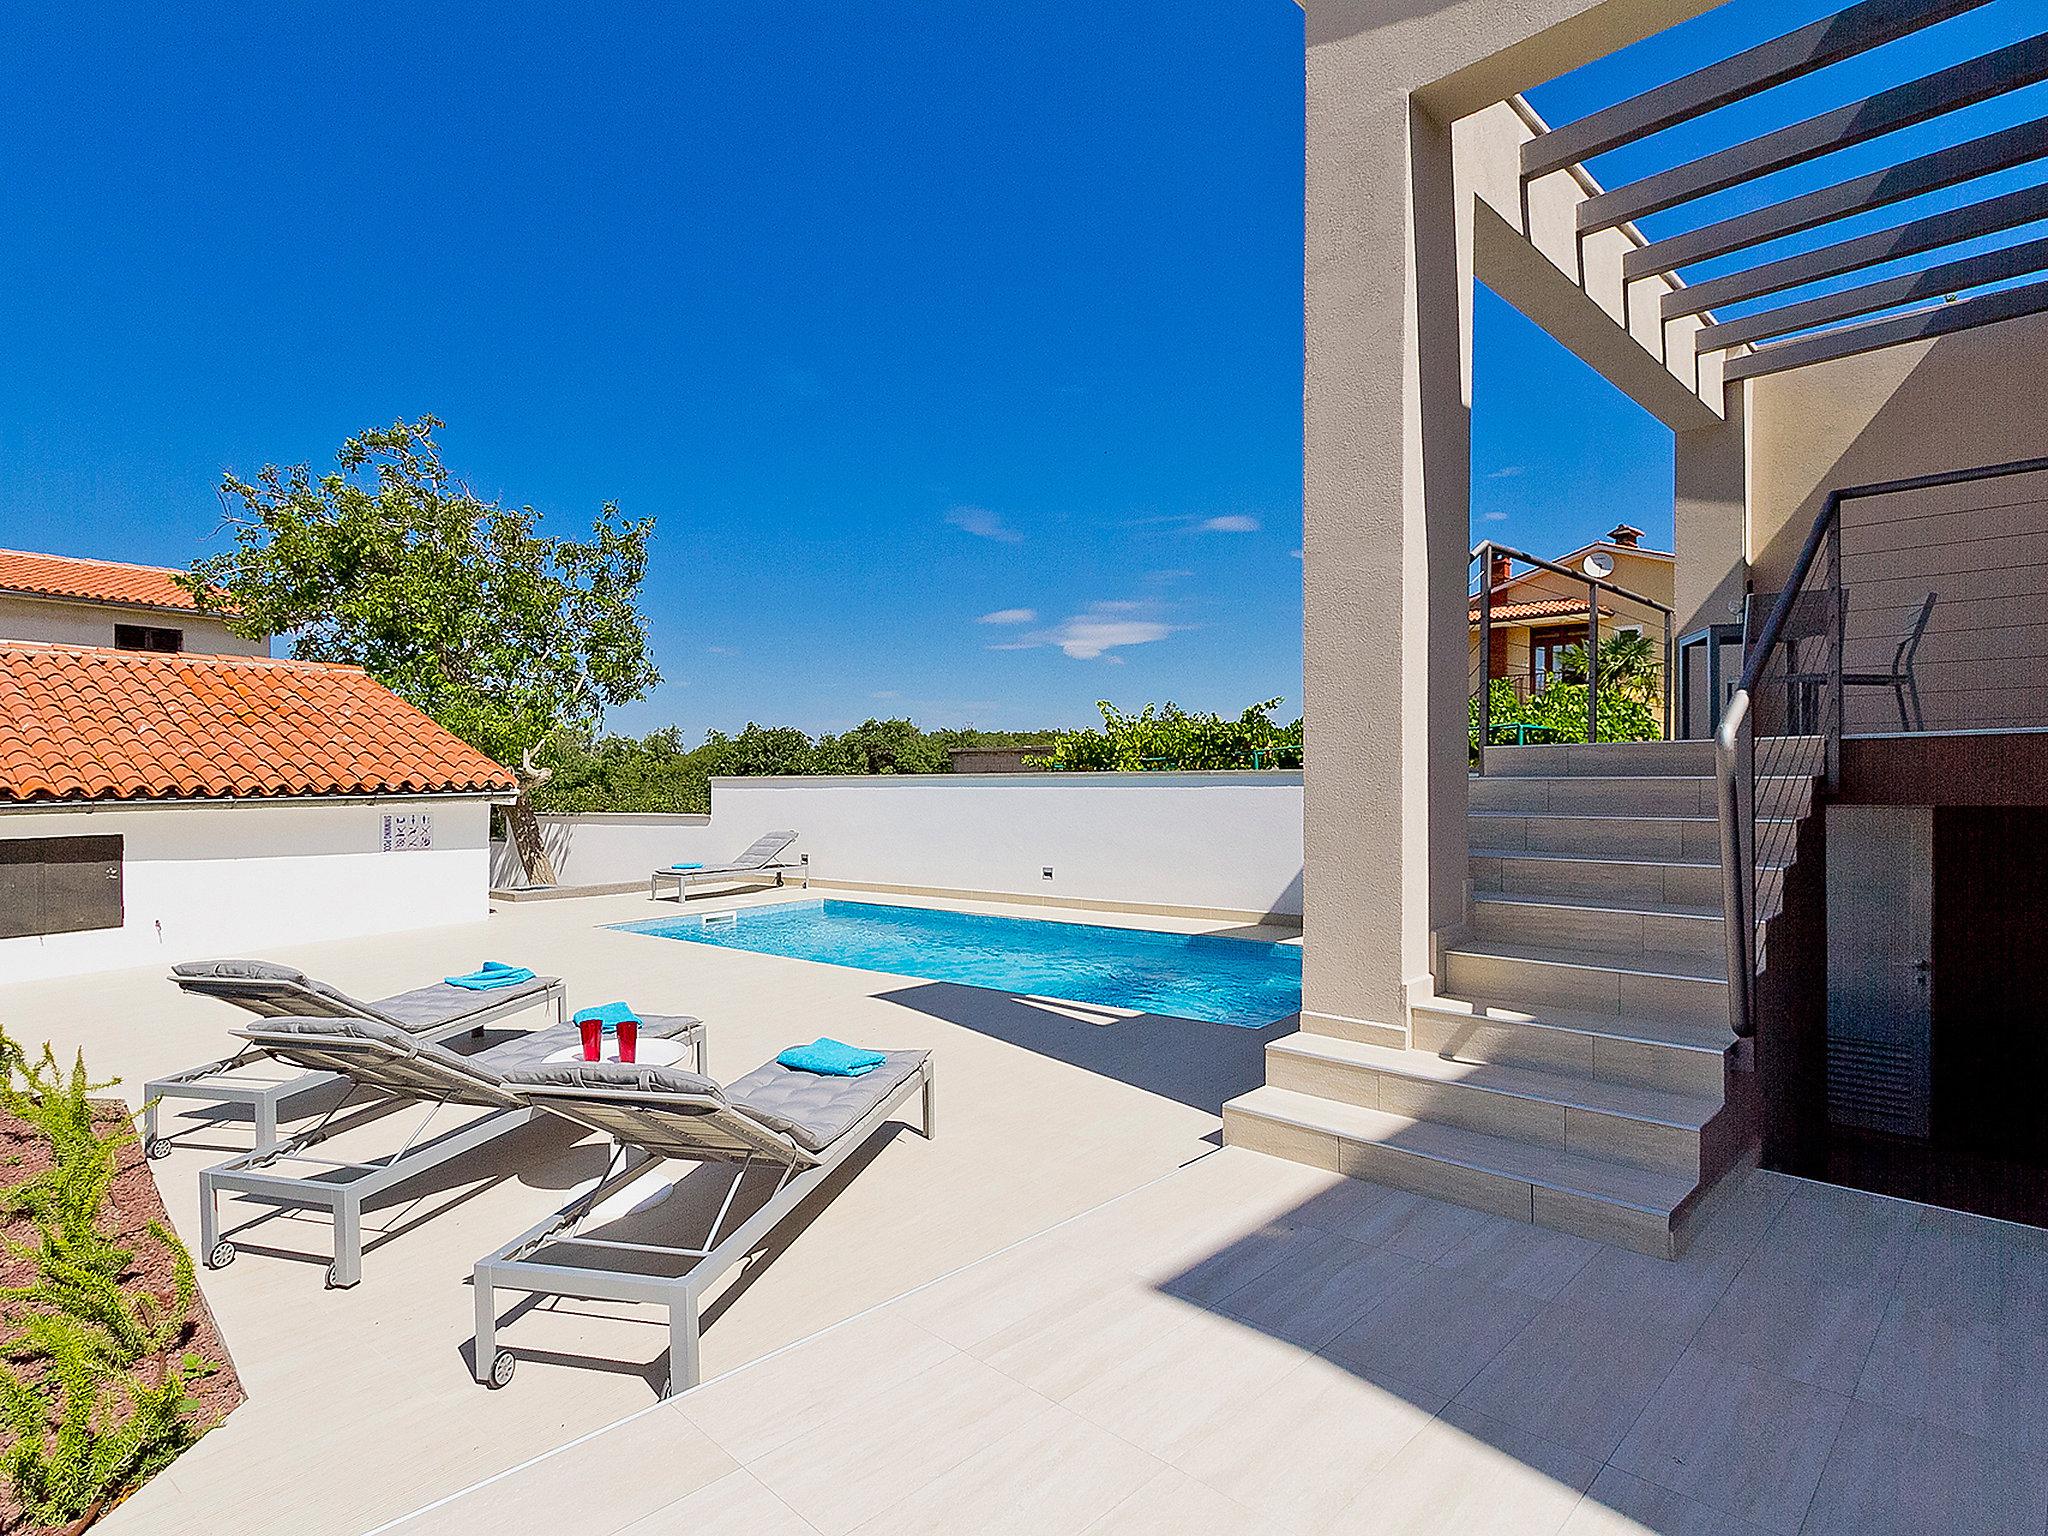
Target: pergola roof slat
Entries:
(1849, 32)
(1989, 217)
(1923, 325)
(1947, 167)
(1951, 277)
(1961, 85)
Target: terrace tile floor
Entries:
(1073, 1313)
(1249, 1346)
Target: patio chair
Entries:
(279, 991)
(759, 862)
(393, 1063)
(799, 1126)
(1900, 678)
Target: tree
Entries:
(457, 604)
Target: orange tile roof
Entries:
(91, 724)
(1547, 608)
(92, 581)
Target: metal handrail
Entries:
(1484, 554)
(1735, 738)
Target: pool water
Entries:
(1245, 982)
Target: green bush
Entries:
(1557, 713)
(1168, 738)
(110, 1402)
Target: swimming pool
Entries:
(1245, 982)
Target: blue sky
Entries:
(904, 324)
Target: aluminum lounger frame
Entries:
(513, 1268)
(739, 870)
(388, 1069)
(211, 1084)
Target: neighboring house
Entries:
(1538, 614)
(65, 600)
(156, 808)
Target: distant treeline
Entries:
(660, 773)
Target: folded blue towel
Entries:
(491, 975)
(686, 866)
(610, 1015)
(831, 1059)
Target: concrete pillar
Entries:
(1387, 519)
(1710, 493)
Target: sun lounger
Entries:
(279, 991)
(797, 1126)
(759, 862)
(382, 1060)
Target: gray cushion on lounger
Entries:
(530, 1051)
(424, 1007)
(617, 1076)
(401, 1040)
(814, 1109)
(259, 970)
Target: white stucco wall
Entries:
(57, 622)
(233, 878)
(1211, 841)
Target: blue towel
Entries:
(831, 1059)
(686, 866)
(491, 975)
(610, 1015)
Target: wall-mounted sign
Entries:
(408, 832)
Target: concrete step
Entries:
(1612, 1202)
(1666, 986)
(1631, 795)
(1617, 1122)
(1671, 1056)
(1654, 839)
(1687, 758)
(1607, 925)
(1660, 882)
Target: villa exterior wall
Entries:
(1982, 549)
(232, 878)
(1209, 842)
(56, 621)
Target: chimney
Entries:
(1502, 569)
(1625, 536)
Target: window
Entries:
(1545, 647)
(146, 637)
(59, 885)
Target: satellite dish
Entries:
(1598, 564)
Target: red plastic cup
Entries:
(629, 1038)
(593, 1038)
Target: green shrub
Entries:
(1557, 713)
(111, 1403)
(1168, 738)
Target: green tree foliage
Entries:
(459, 605)
(109, 1400)
(1557, 713)
(659, 773)
(1167, 738)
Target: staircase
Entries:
(1576, 1065)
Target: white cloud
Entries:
(983, 524)
(1496, 517)
(1235, 522)
(885, 693)
(1300, 554)
(1009, 616)
(1507, 472)
(1097, 631)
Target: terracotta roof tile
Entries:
(89, 724)
(93, 581)
(1547, 608)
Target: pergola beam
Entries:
(1935, 282)
(1948, 90)
(1948, 167)
(1973, 221)
(1922, 325)
(1849, 32)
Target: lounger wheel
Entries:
(503, 1364)
(220, 1255)
(156, 1149)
